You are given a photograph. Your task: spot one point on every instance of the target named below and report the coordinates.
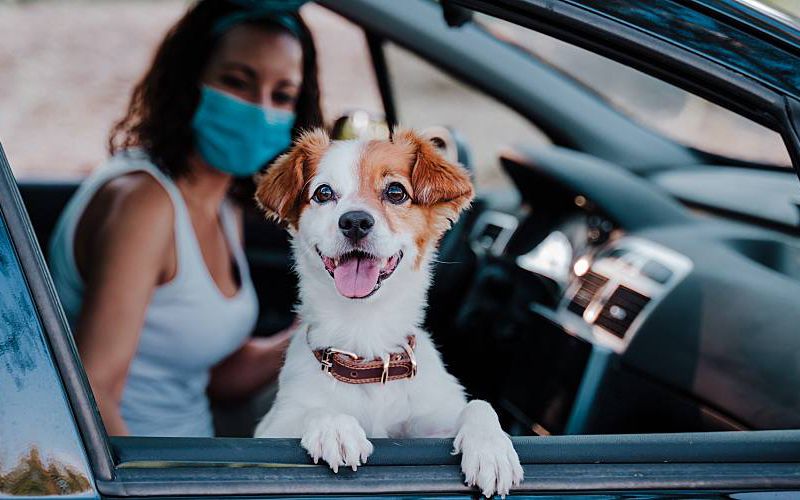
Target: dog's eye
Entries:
(323, 194)
(396, 193)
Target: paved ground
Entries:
(68, 66)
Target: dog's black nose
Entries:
(356, 224)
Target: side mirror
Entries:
(359, 124)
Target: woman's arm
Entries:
(124, 257)
(250, 368)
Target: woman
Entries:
(147, 257)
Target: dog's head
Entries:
(361, 212)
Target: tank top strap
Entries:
(135, 160)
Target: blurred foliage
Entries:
(33, 477)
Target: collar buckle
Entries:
(326, 363)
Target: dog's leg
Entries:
(336, 438)
(488, 459)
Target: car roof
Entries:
(760, 12)
(727, 32)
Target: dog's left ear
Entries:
(436, 181)
(280, 190)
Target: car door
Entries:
(718, 465)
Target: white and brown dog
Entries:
(365, 219)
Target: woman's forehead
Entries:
(271, 54)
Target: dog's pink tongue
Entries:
(356, 278)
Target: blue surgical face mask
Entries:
(238, 137)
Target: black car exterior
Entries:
(52, 441)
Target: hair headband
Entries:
(278, 11)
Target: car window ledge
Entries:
(269, 479)
(206, 466)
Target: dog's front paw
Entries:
(488, 458)
(336, 439)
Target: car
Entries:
(628, 303)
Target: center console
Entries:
(615, 289)
(555, 337)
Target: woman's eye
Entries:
(282, 98)
(396, 193)
(234, 82)
(323, 194)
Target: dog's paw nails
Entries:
(339, 440)
(490, 463)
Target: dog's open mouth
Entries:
(358, 274)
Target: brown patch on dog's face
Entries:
(281, 191)
(437, 189)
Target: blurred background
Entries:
(68, 67)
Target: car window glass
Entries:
(426, 96)
(673, 112)
(40, 451)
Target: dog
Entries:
(365, 218)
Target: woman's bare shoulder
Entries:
(133, 209)
(138, 190)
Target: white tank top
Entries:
(189, 324)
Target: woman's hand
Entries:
(254, 365)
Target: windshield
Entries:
(653, 103)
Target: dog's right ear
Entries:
(280, 190)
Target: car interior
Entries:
(621, 283)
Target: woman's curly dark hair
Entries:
(163, 103)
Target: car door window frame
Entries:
(54, 324)
(41, 451)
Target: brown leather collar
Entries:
(349, 368)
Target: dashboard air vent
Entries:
(591, 283)
(620, 310)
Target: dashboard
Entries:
(615, 288)
(606, 283)
(628, 312)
